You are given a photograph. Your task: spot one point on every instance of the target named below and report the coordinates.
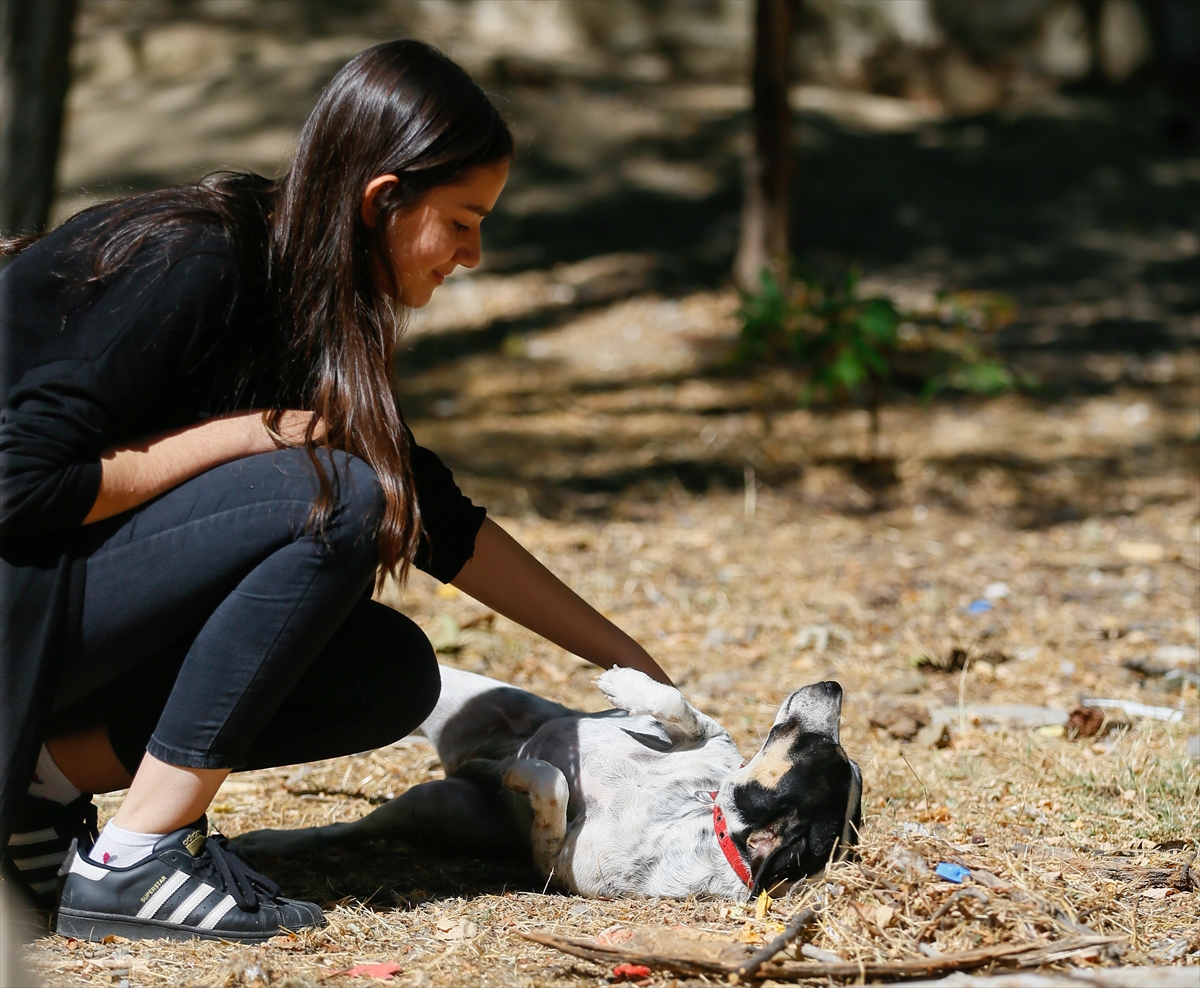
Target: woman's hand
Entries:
(133, 474)
(503, 576)
(293, 425)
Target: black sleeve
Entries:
(123, 356)
(450, 519)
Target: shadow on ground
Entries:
(387, 875)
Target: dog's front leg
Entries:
(548, 795)
(634, 691)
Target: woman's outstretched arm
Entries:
(502, 575)
(132, 475)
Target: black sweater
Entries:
(162, 345)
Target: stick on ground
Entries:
(800, 922)
(1023, 954)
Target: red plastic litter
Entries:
(631, 972)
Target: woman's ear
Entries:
(368, 210)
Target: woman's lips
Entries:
(438, 278)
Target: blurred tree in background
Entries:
(35, 43)
(766, 214)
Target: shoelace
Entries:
(248, 887)
(90, 825)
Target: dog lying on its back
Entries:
(651, 798)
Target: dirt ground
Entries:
(1027, 552)
(1075, 519)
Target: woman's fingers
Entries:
(293, 427)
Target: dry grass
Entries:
(736, 590)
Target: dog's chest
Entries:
(627, 766)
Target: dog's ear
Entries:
(853, 812)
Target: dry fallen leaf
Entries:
(1157, 893)
(749, 934)
(1142, 552)
(454, 929)
(384, 971)
(620, 934)
(761, 906)
(934, 814)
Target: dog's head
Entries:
(797, 803)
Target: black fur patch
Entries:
(807, 808)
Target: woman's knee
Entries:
(376, 681)
(411, 663)
(405, 676)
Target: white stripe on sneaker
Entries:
(190, 903)
(217, 914)
(41, 861)
(34, 837)
(160, 897)
(81, 866)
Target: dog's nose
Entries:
(831, 688)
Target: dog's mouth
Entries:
(761, 844)
(783, 853)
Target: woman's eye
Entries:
(461, 227)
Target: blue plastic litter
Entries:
(979, 606)
(952, 872)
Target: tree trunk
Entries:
(35, 44)
(765, 214)
(873, 413)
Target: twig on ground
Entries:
(606, 954)
(1021, 954)
(800, 922)
(949, 904)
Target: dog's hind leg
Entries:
(477, 717)
(447, 814)
(546, 787)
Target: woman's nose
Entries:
(469, 251)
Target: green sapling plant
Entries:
(848, 347)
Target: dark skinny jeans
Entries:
(219, 631)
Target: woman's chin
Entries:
(416, 301)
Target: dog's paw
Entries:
(638, 694)
(549, 796)
(628, 689)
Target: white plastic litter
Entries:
(1132, 708)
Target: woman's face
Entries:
(427, 241)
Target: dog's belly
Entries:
(639, 817)
(612, 760)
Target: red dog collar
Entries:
(728, 847)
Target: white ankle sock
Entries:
(119, 848)
(50, 783)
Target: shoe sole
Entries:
(96, 926)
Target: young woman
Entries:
(203, 473)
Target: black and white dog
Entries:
(651, 798)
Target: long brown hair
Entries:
(400, 108)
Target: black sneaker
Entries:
(191, 886)
(41, 837)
